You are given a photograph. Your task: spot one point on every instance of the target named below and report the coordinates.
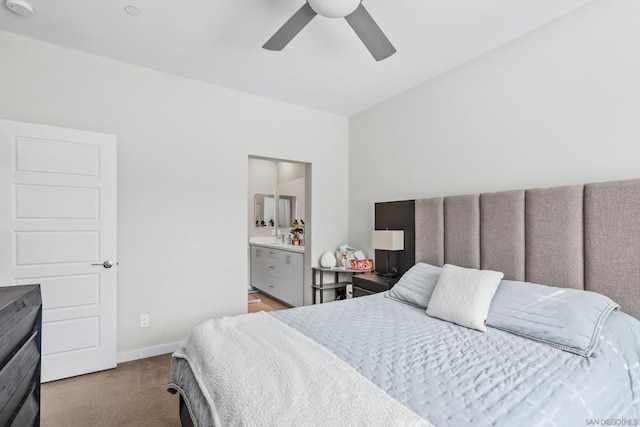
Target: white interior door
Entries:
(57, 228)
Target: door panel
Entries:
(46, 201)
(70, 335)
(56, 247)
(56, 156)
(69, 291)
(58, 219)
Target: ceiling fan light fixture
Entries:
(352, 11)
(334, 8)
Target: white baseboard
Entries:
(156, 350)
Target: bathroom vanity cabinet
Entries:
(278, 272)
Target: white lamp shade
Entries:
(387, 240)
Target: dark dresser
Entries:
(20, 339)
(371, 283)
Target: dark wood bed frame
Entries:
(185, 417)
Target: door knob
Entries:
(106, 264)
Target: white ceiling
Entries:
(325, 67)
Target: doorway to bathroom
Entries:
(279, 229)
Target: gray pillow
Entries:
(567, 319)
(416, 285)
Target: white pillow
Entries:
(463, 296)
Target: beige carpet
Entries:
(133, 394)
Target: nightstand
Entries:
(321, 286)
(371, 283)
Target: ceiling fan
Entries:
(351, 10)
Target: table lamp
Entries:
(387, 240)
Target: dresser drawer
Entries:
(17, 336)
(17, 318)
(28, 412)
(276, 274)
(274, 253)
(276, 267)
(16, 378)
(274, 287)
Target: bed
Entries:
(560, 342)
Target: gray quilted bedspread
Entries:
(454, 376)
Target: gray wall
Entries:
(557, 106)
(183, 150)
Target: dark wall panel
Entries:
(397, 216)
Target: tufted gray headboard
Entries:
(584, 237)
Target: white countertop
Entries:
(273, 243)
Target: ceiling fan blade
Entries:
(291, 28)
(370, 34)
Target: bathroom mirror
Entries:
(287, 209)
(265, 210)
